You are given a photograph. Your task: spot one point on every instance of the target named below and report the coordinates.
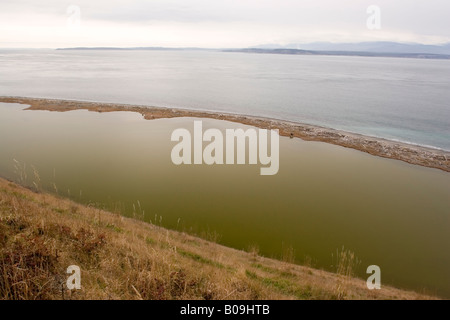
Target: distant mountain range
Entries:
(374, 47)
(365, 49)
(342, 53)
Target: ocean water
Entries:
(389, 213)
(398, 99)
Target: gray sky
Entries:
(215, 24)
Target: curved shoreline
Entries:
(418, 155)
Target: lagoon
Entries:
(390, 213)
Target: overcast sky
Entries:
(217, 24)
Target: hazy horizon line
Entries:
(237, 47)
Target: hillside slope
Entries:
(122, 258)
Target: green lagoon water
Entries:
(389, 213)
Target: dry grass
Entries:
(121, 258)
(345, 264)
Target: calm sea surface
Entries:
(400, 99)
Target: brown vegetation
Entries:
(122, 258)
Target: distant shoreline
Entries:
(343, 53)
(413, 154)
(282, 51)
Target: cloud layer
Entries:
(213, 23)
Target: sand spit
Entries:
(418, 155)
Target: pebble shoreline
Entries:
(418, 155)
